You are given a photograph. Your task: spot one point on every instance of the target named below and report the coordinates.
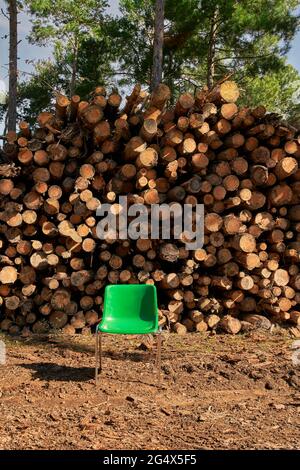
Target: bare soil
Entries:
(217, 392)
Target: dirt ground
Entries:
(217, 392)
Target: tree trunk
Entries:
(74, 67)
(212, 49)
(13, 44)
(158, 45)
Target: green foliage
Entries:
(59, 20)
(68, 25)
(243, 28)
(252, 38)
(96, 68)
(279, 91)
(91, 48)
(37, 93)
(77, 30)
(133, 38)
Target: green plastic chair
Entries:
(128, 310)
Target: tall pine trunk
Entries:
(157, 65)
(13, 58)
(74, 67)
(212, 49)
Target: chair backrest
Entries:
(133, 302)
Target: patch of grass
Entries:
(9, 340)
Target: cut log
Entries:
(230, 324)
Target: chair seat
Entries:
(126, 329)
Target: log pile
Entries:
(241, 163)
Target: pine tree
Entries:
(157, 66)
(66, 24)
(13, 65)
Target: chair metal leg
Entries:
(98, 355)
(100, 351)
(158, 356)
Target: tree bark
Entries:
(74, 67)
(13, 57)
(212, 49)
(158, 44)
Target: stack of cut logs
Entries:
(241, 163)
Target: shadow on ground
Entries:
(54, 372)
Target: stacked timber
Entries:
(241, 163)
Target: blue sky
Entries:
(28, 53)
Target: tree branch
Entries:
(244, 57)
(4, 14)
